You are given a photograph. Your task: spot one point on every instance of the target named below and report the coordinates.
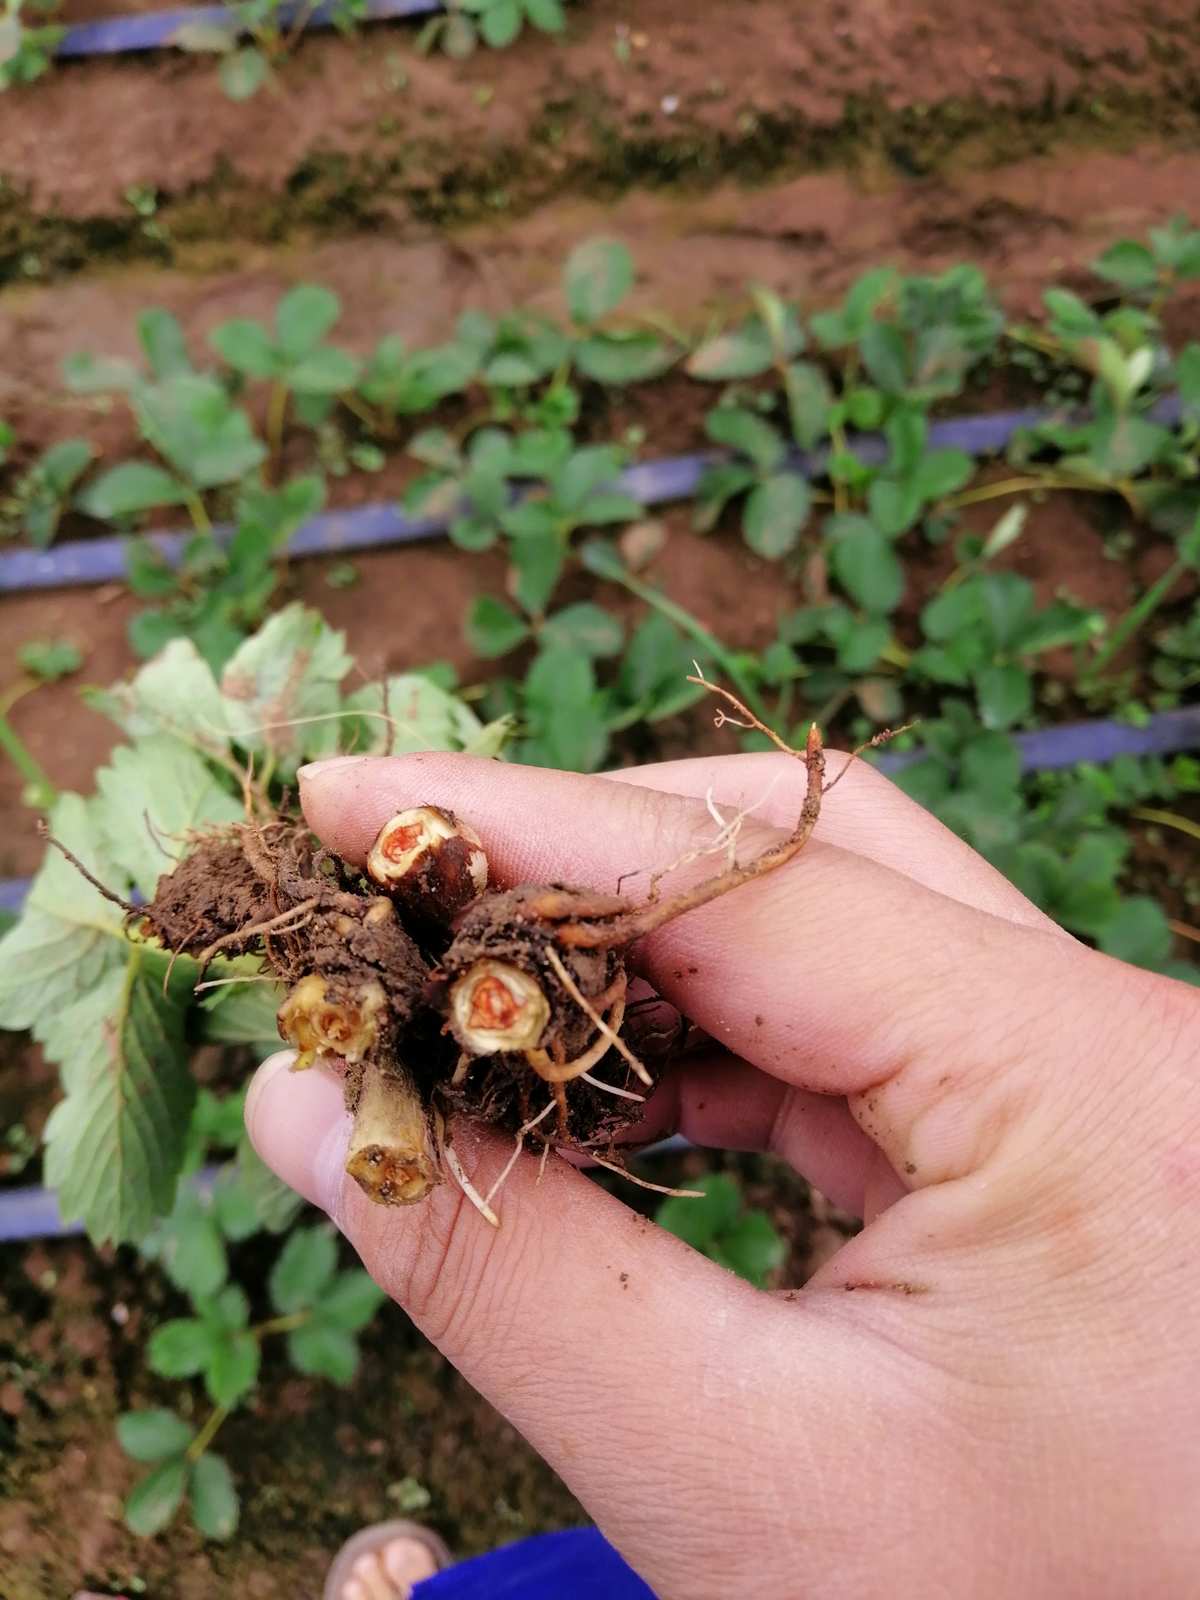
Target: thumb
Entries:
(633, 1365)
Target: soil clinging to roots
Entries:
(432, 993)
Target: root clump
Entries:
(432, 994)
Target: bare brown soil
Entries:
(753, 86)
(73, 1327)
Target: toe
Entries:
(368, 1571)
(407, 1562)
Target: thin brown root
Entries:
(644, 1183)
(611, 1088)
(455, 1168)
(750, 720)
(166, 983)
(545, 1156)
(652, 914)
(281, 924)
(560, 1103)
(461, 1070)
(126, 905)
(884, 736)
(589, 1010)
(512, 1160)
(566, 1071)
(158, 838)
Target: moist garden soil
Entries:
(367, 132)
(312, 1462)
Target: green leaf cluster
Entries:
(722, 1227)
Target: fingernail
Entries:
(314, 769)
(298, 1124)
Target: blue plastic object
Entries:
(578, 1564)
(651, 483)
(159, 30)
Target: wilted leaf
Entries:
(280, 690)
(176, 791)
(175, 693)
(115, 1144)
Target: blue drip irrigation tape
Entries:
(32, 1213)
(160, 30)
(1042, 750)
(651, 483)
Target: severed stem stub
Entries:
(391, 1155)
(430, 861)
(432, 994)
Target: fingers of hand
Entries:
(597, 1334)
(835, 974)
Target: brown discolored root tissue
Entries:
(433, 994)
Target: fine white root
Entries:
(589, 1010)
(455, 1168)
(611, 1088)
(644, 1183)
(512, 1160)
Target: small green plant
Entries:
(1176, 666)
(318, 1311)
(27, 50)
(207, 449)
(465, 24)
(1062, 837)
(292, 356)
(50, 659)
(726, 1230)
(984, 632)
(221, 589)
(41, 494)
(273, 29)
(1150, 271)
(202, 439)
(43, 661)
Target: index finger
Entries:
(872, 817)
(832, 973)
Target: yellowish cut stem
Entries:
(391, 1155)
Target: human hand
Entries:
(990, 1390)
